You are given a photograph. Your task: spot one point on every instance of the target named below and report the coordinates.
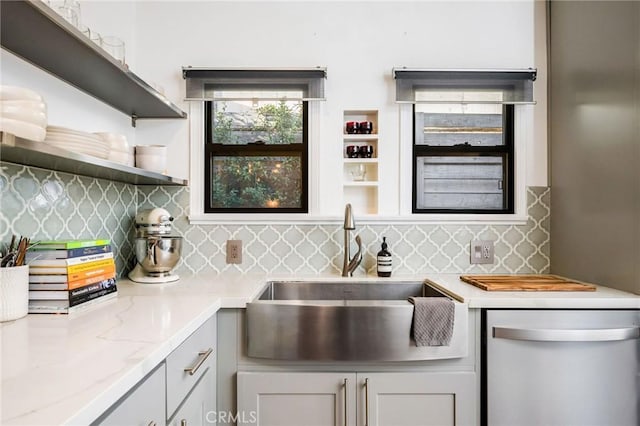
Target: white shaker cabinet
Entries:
(362, 399)
(416, 399)
(180, 391)
(143, 405)
(294, 399)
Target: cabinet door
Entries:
(144, 405)
(198, 408)
(294, 399)
(416, 399)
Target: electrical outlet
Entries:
(482, 251)
(234, 251)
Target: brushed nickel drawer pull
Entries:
(183, 422)
(366, 402)
(345, 402)
(202, 356)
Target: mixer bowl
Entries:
(158, 255)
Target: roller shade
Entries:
(207, 84)
(464, 86)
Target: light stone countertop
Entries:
(602, 298)
(68, 369)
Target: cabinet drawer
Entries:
(142, 405)
(187, 363)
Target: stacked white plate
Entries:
(23, 113)
(77, 141)
(119, 149)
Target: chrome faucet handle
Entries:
(357, 258)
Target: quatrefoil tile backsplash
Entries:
(49, 205)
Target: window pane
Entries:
(256, 182)
(457, 182)
(451, 125)
(273, 122)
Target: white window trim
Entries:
(522, 134)
(523, 117)
(197, 216)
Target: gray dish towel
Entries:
(432, 320)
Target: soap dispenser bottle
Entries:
(384, 260)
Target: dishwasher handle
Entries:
(567, 335)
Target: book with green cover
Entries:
(46, 253)
(68, 244)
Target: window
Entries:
(255, 144)
(463, 158)
(463, 149)
(256, 154)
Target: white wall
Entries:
(358, 42)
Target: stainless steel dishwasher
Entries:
(561, 367)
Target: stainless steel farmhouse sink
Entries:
(344, 320)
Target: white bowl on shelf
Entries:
(151, 149)
(151, 162)
(18, 93)
(39, 118)
(23, 129)
(30, 105)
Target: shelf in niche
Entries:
(360, 137)
(363, 195)
(36, 33)
(361, 183)
(360, 160)
(39, 154)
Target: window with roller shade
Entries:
(463, 137)
(256, 132)
(463, 158)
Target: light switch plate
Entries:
(481, 252)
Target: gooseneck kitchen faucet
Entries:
(350, 264)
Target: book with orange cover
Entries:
(74, 276)
(92, 272)
(70, 269)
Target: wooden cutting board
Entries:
(525, 283)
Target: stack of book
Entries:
(66, 276)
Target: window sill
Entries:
(295, 219)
